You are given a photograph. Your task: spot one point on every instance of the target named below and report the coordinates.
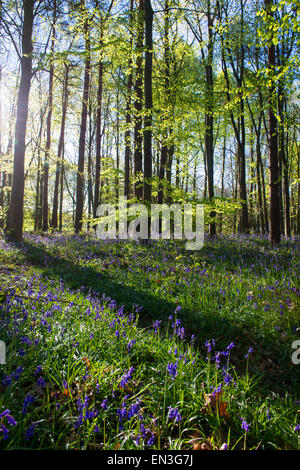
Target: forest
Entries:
(119, 342)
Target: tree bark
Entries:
(84, 112)
(54, 219)
(209, 118)
(138, 105)
(15, 215)
(148, 101)
(273, 147)
(48, 138)
(128, 113)
(98, 129)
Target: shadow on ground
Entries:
(204, 326)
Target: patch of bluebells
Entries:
(41, 382)
(245, 426)
(126, 414)
(29, 400)
(85, 414)
(174, 414)
(172, 368)
(6, 416)
(104, 404)
(156, 326)
(227, 377)
(126, 377)
(9, 379)
(217, 390)
(30, 431)
(209, 345)
(146, 435)
(130, 344)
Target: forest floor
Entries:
(117, 345)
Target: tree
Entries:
(15, 214)
(59, 166)
(48, 125)
(273, 142)
(84, 113)
(148, 101)
(138, 103)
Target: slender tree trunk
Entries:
(38, 208)
(61, 191)
(177, 178)
(15, 215)
(49, 119)
(128, 113)
(54, 220)
(117, 149)
(297, 215)
(164, 158)
(89, 164)
(259, 178)
(283, 152)
(148, 101)
(273, 147)
(209, 120)
(98, 129)
(252, 184)
(223, 174)
(138, 105)
(84, 112)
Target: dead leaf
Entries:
(213, 402)
(87, 362)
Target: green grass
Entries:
(53, 315)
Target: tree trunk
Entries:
(128, 114)
(15, 216)
(209, 120)
(148, 101)
(48, 139)
(273, 147)
(84, 112)
(98, 130)
(54, 220)
(61, 191)
(38, 208)
(138, 105)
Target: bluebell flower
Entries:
(29, 399)
(104, 404)
(130, 344)
(174, 414)
(29, 432)
(126, 377)
(172, 369)
(5, 431)
(41, 382)
(250, 351)
(245, 425)
(38, 370)
(151, 440)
